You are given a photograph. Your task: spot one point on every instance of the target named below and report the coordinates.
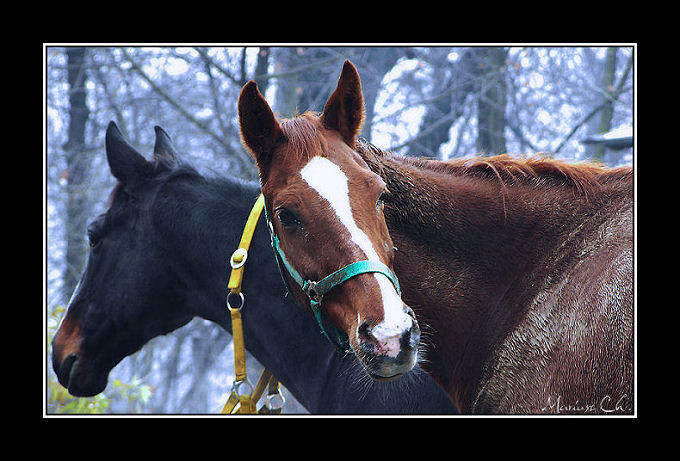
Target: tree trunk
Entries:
(287, 88)
(492, 101)
(455, 81)
(77, 163)
(373, 64)
(261, 69)
(608, 109)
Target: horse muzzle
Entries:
(73, 369)
(385, 355)
(74, 375)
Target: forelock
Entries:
(304, 136)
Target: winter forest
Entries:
(574, 103)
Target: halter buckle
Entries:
(310, 290)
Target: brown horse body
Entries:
(520, 272)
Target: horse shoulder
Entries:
(572, 349)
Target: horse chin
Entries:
(79, 381)
(384, 379)
(384, 368)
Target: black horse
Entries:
(159, 257)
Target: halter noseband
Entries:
(315, 290)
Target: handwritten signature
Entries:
(606, 405)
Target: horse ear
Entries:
(344, 110)
(163, 148)
(125, 162)
(260, 130)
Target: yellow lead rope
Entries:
(247, 401)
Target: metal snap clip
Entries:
(275, 402)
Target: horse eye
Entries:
(381, 201)
(94, 233)
(287, 218)
(93, 239)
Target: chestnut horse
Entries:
(520, 271)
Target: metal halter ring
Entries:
(237, 386)
(242, 300)
(275, 401)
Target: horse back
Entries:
(572, 349)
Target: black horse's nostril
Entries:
(64, 372)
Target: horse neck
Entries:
(471, 253)
(280, 335)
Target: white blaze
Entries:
(331, 183)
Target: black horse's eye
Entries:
(287, 218)
(93, 239)
(94, 234)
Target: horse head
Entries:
(325, 210)
(123, 298)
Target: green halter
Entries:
(315, 291)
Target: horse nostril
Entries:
(410, 312)
(411, 338)
(64, 371)
(366, 339)
(364, 332)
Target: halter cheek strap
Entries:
(315, 290)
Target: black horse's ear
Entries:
(126, 164)
(164, 149)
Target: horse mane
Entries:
(536, 170)
(302, 134)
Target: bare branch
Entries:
(171, 101)
(578, 125)
(239, 156)
(222, 70)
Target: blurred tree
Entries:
(455, 82)
(375, 63)
(77, 165)
(608, 98)
(303, 78)
(612, 96)
(262, 68)
(491, 100)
